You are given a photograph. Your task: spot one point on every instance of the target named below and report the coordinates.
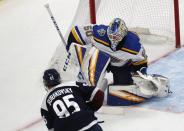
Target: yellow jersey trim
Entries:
(140, 62)
(131, 51)
(76, 36)
(101, 41)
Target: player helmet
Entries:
(51, 78)
(116, 31)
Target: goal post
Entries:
(92, 11)
(177, 23)
(157, 17)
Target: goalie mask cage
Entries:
(155, 17)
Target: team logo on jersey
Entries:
(101, 32)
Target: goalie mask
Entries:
(116, 31)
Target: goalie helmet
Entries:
(116, 31)
(51, 78)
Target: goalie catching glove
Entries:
(152, 84)
(155, 85)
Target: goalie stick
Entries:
(57, 27)
(55, 23)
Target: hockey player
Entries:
(126, 52)
(127, 60)
(70, 106)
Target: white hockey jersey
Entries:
(128, 49)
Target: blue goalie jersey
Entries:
(128, 49)
(128, 57)
(64, 108)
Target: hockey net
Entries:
(143, 16)
(155, 17)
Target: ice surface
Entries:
(173, 68)
(28, 40)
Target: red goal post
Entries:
(158, 17)
(177, 23)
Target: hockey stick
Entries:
(54, 21)
(57, 27)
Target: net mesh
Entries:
(143, 16)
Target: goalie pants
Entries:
(121, 75)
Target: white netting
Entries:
(144, 16)
(155, 15)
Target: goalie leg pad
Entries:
(94, 66)
(88, 64)
(125, 95)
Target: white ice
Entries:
(28, 40)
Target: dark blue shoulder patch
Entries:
(131, 43)
(100, 34)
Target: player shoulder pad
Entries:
(131, 43)
(100, 34)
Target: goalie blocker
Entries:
(89, 65)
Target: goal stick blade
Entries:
(112, 110)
